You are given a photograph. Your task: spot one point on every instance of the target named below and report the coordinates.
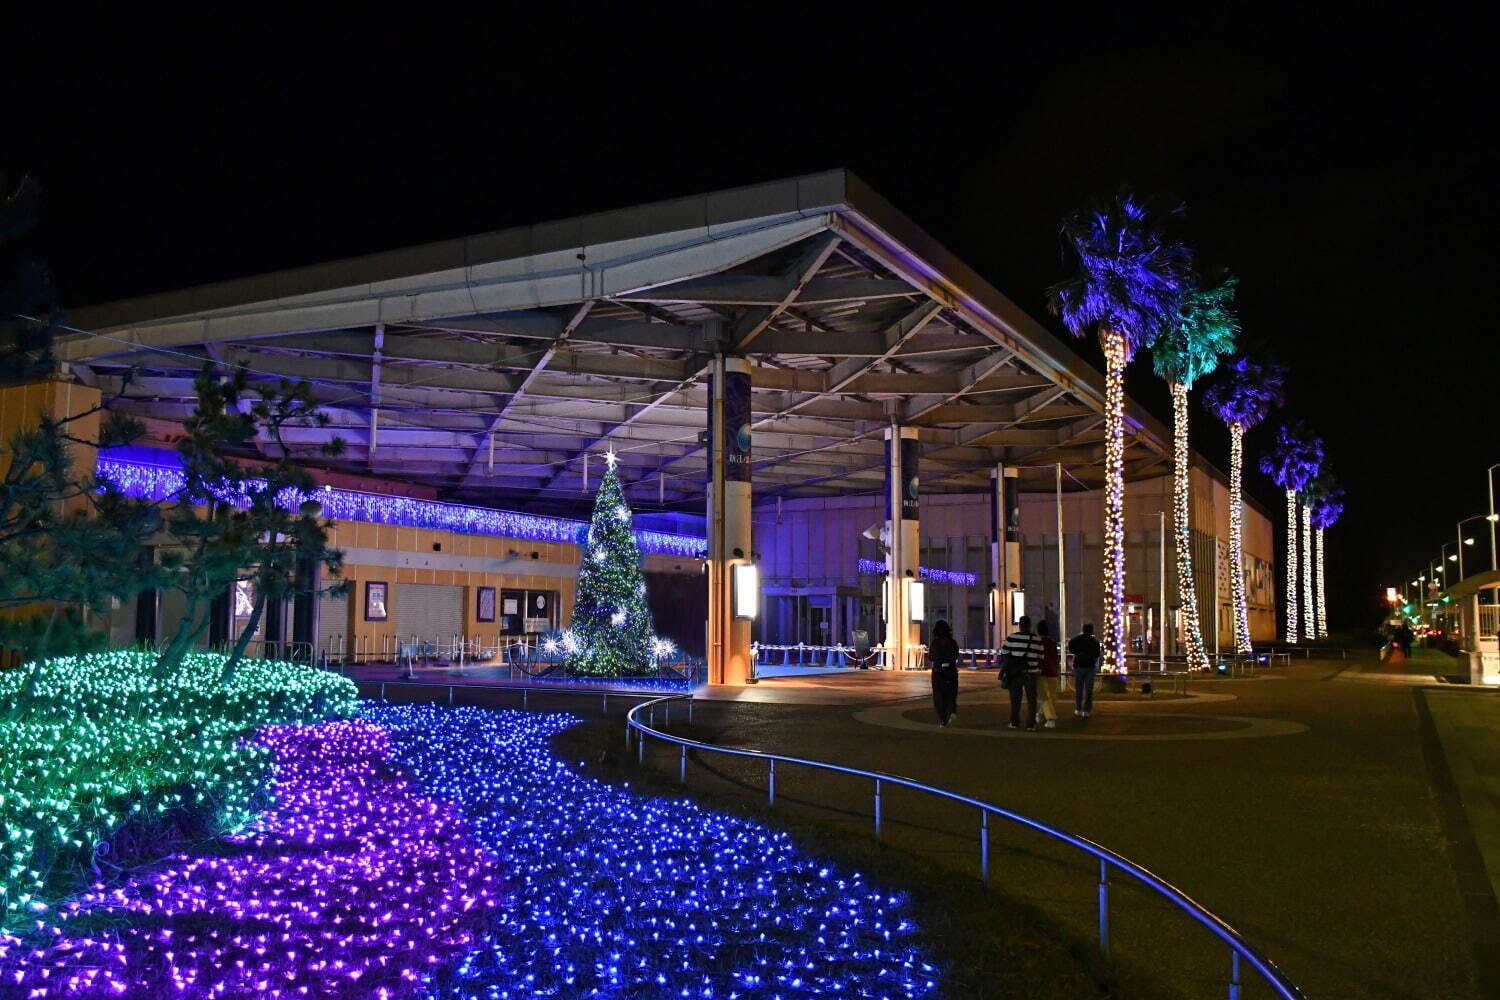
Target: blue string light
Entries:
(616, 895)
(955, 576)
(160, 482)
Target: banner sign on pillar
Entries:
(911, 485)
(737, 427)
(1012, 490)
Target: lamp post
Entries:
(1462, 541)
(1492, 516)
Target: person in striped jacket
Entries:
(1023, 659)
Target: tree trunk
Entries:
(1187, 592)
(1291, 566)
(1322, 596)
(1309, 625)
(1237, 539)
(187, 630)
(1114, 501)
(238, 652)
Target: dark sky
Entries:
(1337, 167)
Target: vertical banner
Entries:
(1012, 509)
(737, 427)
(910, 484)
(890, 470)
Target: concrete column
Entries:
(728, 516)
(903, 528)
(1005, 546)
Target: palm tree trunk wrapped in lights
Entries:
(1292, 463)
(1242, 399)
(1187, 597)
(1325, 505)
(1113, 641)
(1292, 630)
(1205, 329)
(1322, 596)
(1240, 598)
(1128, 289)
(1309, 610)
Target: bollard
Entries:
(984, 844)
(1104, 906)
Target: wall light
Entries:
(746, 590)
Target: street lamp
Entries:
(1462, 541)
(1492, 516)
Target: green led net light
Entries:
(100, 763)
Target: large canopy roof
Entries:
(488, 367)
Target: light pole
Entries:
(1462, 541)
(1492, 516)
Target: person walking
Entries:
(1048, 671)
(1023, 657)
(1085, 650)
(942, 654)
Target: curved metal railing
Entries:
(1240, 950)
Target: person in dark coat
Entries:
(942, 657)
(1403, 637)
(1085, 650)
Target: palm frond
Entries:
(1247, 392)
(1132, 271)
(1295, 458)
(1206, 329)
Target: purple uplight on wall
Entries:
(161, 482)
(954, 576)
(352, 885)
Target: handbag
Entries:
(1007, 671)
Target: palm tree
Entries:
(1184, 354)
(1131, 277)
(1292, 461)
(1242, 399)
(1326, 500)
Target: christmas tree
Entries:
(611, 634)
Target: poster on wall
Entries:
(375, 600)
(538, 612)
(485, 605)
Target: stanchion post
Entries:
(1104, 906)
(984, 844)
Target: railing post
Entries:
(666, 715)
(606, 701)
(525, 697)
(640, 749)
(382, 690)
(984, 844)
(1104, 906)
(690, 708)
(771, 784)
(1234, 975)
(877, 808)
(627, 732)
(682, 768)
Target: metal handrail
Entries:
(1239, 948)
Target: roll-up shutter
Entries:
(333, 626)
(428, 611)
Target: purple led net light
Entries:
(955, 576)
(352, 885)
(160, 482)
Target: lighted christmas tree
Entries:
(611, 633)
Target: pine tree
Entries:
(611, 633)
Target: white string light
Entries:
(1322, 597)
(1187, 597)
(1309, 626)
(1236, 539)
(1291, 566)
(1114, 501)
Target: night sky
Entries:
(1337, 168)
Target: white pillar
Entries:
(728, 516)
(1005, 546)
(903, 527)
